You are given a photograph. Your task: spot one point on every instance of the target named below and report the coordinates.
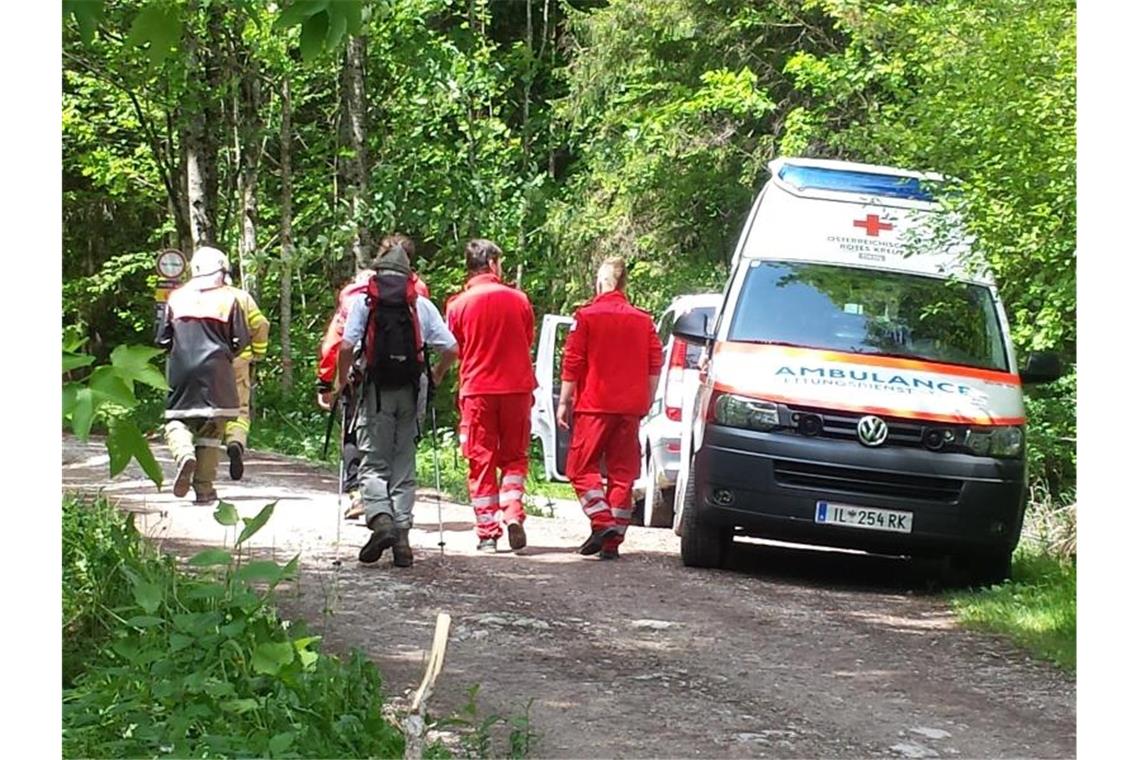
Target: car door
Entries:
(548, 370)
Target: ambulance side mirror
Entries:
(692, 326)
(1041, 367)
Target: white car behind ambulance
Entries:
(862, 389)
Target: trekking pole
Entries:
(340, 403)
(435, 460)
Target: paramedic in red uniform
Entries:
(610, 369)
(494, 326)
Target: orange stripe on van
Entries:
(883, 411)
(916, 365)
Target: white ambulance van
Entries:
(861, 389)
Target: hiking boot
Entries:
(611, 553)
(184, 477)
(383, 536)
(516, 536)
(488, 545)
(402, 551)
(597, 539)
(237, 467)
(205, 498)
(355, 508)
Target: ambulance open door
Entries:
(548, 370)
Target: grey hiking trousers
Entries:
(386, 436)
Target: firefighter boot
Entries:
(235, 450)
(402, 551)
(383, 536)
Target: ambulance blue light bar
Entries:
(864, 183)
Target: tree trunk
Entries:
(286, 284)
(198, 200)
(248, 147)
(356, 107)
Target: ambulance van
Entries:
(861, 389)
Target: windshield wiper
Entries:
(761, 342)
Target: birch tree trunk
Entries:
(286, 279)
(199, 200)
(248, 145)
(356, 107)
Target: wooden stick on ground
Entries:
(414, 726)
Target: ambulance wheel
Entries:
(980, 569)
(658, 508)
(702, 545)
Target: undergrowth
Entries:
(162, 662)
(1036, 608)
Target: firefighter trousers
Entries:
(386, 437)
(612, 438)
(494, 432)
(238, 430)
(200, 438)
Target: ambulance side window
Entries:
(561, 332)
(665, 328)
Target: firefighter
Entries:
(494, 325)
(237, 431)
(203, 328)
(393, 326)
(327, 366)
(610, 368)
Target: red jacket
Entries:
(494, 326)
(330, 344)
(612, 351)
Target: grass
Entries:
(1036, 608)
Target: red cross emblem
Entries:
(873, 225)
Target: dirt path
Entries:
(789, 653)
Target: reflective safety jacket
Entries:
(203, 329)
(330, 344)
(611, 353)
(494, 326)
(257, 324)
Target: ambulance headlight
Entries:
(1006, 442)
(741, 412)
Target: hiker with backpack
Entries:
(494, 324)
(327, 369)
(393, 326)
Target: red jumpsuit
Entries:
(611, 353)
(494, 326)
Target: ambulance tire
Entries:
(702, 545)
(980, 569)
(658, 506)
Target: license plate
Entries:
(870, 518)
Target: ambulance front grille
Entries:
(854, 480)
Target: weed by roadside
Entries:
(1036, 608)
(161, 661)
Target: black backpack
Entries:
(393, 344)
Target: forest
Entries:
(293, 135)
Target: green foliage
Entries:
(1037, 608)
(159, 661)
(108, 392)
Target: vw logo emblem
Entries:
(872, 431)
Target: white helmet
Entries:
(209, 261)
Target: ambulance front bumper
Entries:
(779, 486)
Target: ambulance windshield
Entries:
(870, 312)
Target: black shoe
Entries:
(609, 553)
(594, 543)
(516, 536)
(237, 467)
(402, 550)
(487, 546)
(383, 536)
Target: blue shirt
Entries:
(432, 327)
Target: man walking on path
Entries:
(494, 325)
(609, 368)
(203, 328)
(237, 431)
(327, 368)
(394, 325)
